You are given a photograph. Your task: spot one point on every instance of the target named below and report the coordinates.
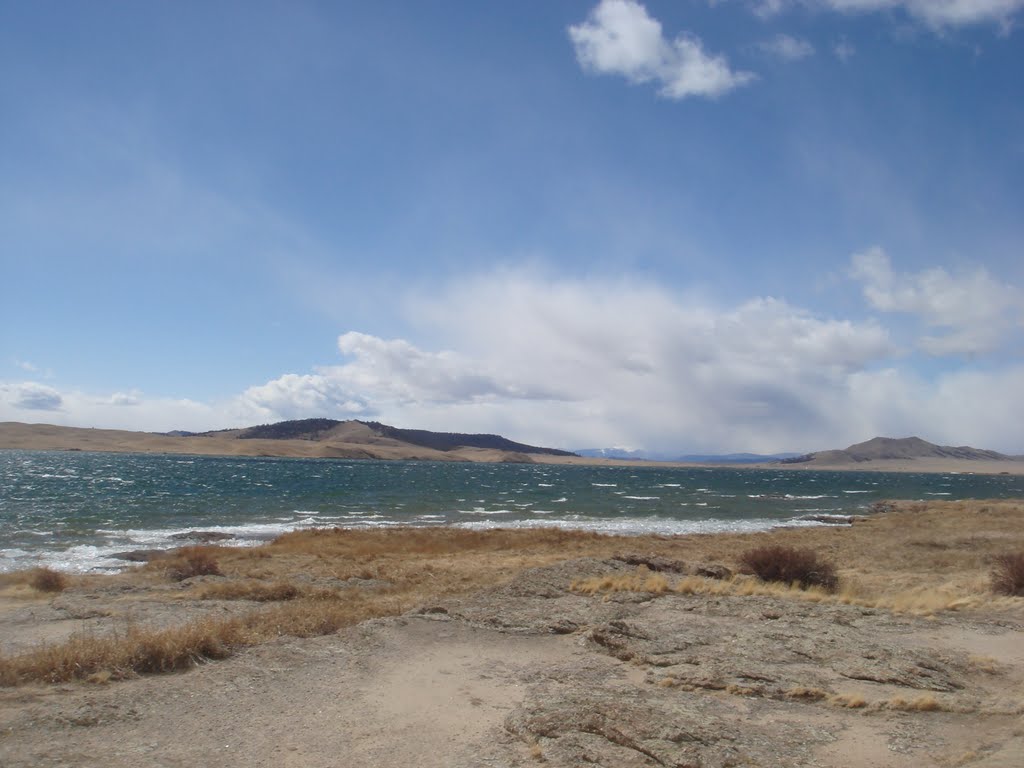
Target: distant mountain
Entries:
(304, 438)
(326, 429)
(889, 449)
(694, 458)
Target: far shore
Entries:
(47, 437)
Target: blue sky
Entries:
(693, 225)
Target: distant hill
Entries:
(324, 429)
(894, 449)
(304, 438)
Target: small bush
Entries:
(1008, 574)
(790, 565)
(194, 562)
(48, 580)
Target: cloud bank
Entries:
(620, 38)
(935, 13)
(591, 363)
(976, 312)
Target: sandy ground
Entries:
(533, 674)
(531, 670)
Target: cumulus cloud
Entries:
(974, 309)
(936, 13)
(844, 50)
(787, 47)
(619, 37)
(32, 401)
(31, 396)
(574, 363)
(590, 363)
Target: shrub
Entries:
(1008, 574)
(790, 565)
(48, 580)
(194, 562)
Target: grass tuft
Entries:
(138, 650)
(790, 565)
(250, 590)
(1008, 574)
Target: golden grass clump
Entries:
(250, 589)
(927, 703)
(1008, 574)
(48, 580)
(847, 701)
(135, 650)
(640, 580)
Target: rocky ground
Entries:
(536, 673)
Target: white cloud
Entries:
(936, 13)
(975, 310)
(34, 402)
(619, 37)
(787, 47)
(579, 363)
(844, 50)
(768, 8)
(31, 396)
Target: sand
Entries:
(502, 662)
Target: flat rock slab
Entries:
(534, 674)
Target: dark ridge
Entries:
(300, 429)
(797, 459)
(316, 429)
(448, 441)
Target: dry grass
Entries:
(790, 565)
(191, 561)
(135, 650)
(250, 589)
(48, 580)
(920, 602)
(927, 703)
(918, 558)
(1008, 574)
(847, 701)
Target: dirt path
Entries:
(391, 692)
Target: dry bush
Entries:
(48, 580)
(193, 561)
(790, 565)
(1008, 574)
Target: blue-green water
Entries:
(72, 510)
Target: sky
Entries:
(693, 225)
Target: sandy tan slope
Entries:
(909, 454)
(348, 441)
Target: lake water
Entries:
(72, 510)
